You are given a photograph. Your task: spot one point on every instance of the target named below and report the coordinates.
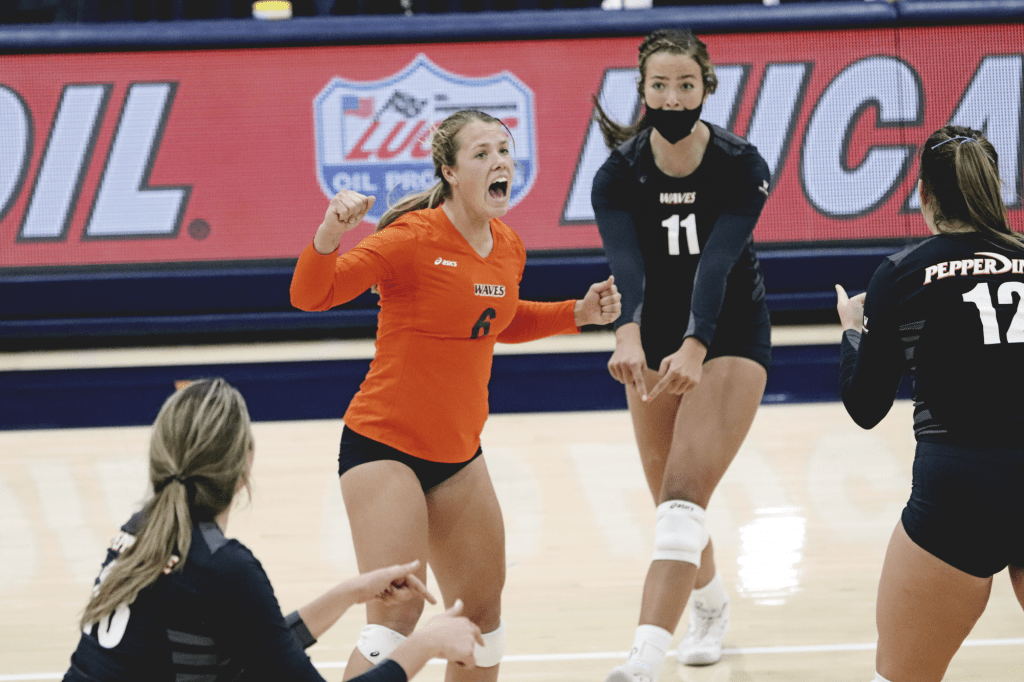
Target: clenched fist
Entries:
(345, 212)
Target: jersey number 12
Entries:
(982, 298)
(689, 223)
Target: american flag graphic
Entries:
(357, 106)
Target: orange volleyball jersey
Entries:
(442, 308)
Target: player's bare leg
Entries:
(1017, 580)
(387, 511)
(467, 555)
(925, 610)
(654, 428)
(709, 427)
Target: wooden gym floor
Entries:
(800, 525)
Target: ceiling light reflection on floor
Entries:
(771, 550)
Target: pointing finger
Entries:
(639, 383)
(418, 586)
(411, 566)
(396, 572)
(658, 389)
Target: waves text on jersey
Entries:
(495, 290)
(678, 197)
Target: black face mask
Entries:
(673, 124)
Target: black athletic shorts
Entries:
(967, 506)
(748, 341)
(751, 340)
(357, 449)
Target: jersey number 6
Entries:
(484, 323)
(690, 224)
(982, 297)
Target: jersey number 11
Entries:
(690, 224)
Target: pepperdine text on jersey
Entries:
(996, 265)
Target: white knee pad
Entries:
(376, 642)
(679, 533)
(491, 653)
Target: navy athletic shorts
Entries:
(966, 506)
(748, 341)
(739, 338)
(357, 449)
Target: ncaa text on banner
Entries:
(992, 103)
(887, 88)
(124, 205)
(891, 89)
(374, 137)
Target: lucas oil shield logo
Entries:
(374, 137)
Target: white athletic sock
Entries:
(711, 597)
(649, 648)
(879, 678)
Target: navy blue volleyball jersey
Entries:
(681, 249)
(216, 619)
(950, 311)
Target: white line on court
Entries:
(531, 658)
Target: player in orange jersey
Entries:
(414, 481)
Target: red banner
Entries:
(231, 155)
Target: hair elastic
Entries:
(958, 137)
(170, 479)
(963, 138)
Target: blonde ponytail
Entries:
(981, 187)
(199, 456)
(428, 198)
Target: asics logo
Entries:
(449, 263)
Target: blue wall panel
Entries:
(284, 391)
(233, 301)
